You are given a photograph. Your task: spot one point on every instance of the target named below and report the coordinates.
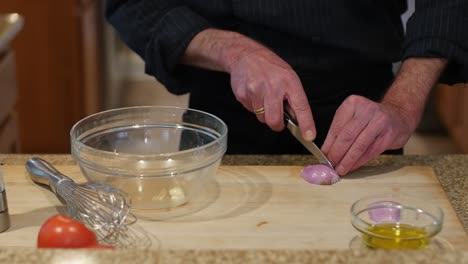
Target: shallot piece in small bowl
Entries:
(320, 174)
(384, 211)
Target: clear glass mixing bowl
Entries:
(161, 156)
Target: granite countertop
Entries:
(452, 171)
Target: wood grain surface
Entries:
(59, 70)
(247, 207)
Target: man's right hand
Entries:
(259, 77)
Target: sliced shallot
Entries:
(320, 174)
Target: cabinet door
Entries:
(54, 62)
(447, 102)
(461, 132)
(9, 134)
(9, 142)
(452, 107)
(92, 55)
(7, 85)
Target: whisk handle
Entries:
(43, 172)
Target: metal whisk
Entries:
(100, 207)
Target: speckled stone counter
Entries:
(452, 171)
(228, 256)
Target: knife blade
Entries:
(291, 124)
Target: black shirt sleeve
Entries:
(159, 31)
(438, 29)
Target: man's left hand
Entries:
(361, 130)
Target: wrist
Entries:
(408, 94)
(410, 115)
(235, 48)
(218, 49)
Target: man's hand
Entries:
(262, 79)
(259, 77)
(363, 129)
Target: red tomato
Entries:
(60, 231)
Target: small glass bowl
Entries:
(396, 221)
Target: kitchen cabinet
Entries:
(452, 107)
(9, 141)
(58, 70)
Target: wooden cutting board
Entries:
(249, 207)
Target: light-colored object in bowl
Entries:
(384, 211)
(417, 223)
(161, 156)
(100, 207)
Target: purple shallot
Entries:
(320, 174)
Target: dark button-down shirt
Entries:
(337, 47)
(308, 34)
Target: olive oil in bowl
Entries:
(396, 236)
(396, 221)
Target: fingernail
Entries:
(309, 135)
(340, 170)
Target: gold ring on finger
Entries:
(259, 111)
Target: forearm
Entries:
(414, 81)
(217, 50)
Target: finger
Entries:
(360, 146)
(343, 114)
(375, 149)
(299, 103)
(274, 112)
(241, 97)
(257, 103)
(259, 111)
(304, 119)
(349, 133)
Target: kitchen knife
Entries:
(291, 124)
